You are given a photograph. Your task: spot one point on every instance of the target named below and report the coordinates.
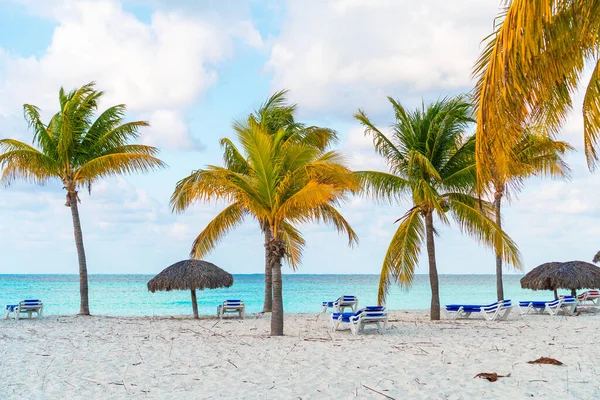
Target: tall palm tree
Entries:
(274, 115)
(527, 73)
(280, 182)
(78, 149)
(431, 161)
(538, 155)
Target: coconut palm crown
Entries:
(538, 155)
(279, 181)
(431, 162)
(77, 148)
(276, 115)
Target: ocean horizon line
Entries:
(255, 274)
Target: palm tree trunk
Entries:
(194, 304)
(276, 251)
(84, 308)
(268, 304)
(497, 209)
(433, 275)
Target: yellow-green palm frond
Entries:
(302, 202)
(257, 145)
(383, 145)
(42, 135)
(472, 216)
(527, 74)
(313, 136)
(383, 186)
(77, 111)
(19, 160)
(540, 154)
(213, 183)
(330, 169)
(294, 242)
(233, 159)
(216, 229)
(428, 198)
(591, 116)
(124, 161)
(402, 255)
(106, 137)
(420, 164)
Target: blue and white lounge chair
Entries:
(231, 306)
(341, 304)
(25, 307)
(376, 315)
(491, 312)
(566, 304)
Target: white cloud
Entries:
(339, 55)
(165, 64)
(168, 131)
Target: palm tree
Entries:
(527, 73)
(275, 115)
(538, 154)
(78, 150)
(281, 183)
(431, 161)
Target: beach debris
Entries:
(383, 394)
(546, 360)
(490, 376)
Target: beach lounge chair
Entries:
(491, 312)
(341, 304)
(566, 304)
(376, 315)
(231, 306)
(24, 307)
(589, 298)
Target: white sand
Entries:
(164, 358)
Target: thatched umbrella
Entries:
(572, 275)
(191, 275)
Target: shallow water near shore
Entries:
(127, 295)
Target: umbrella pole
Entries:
(555, 294)
(573, 292)
(194, 303)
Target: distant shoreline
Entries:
(255, 274)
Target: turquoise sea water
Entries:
(127, 295)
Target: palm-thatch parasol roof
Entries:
(572, 275)
(191, 275)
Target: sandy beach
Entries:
(168, 358)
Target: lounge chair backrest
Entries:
(346, 300)
(374, 308)
(30, 304)
(233, 303)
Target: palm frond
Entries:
(591, 117)
(467, 212)
(117, 163)
(383, 145)
(233, 159)
(383, 186)
(19, 160)
(216, 229)
(402, 255)
(295, 244)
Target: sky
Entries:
(191, 67)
